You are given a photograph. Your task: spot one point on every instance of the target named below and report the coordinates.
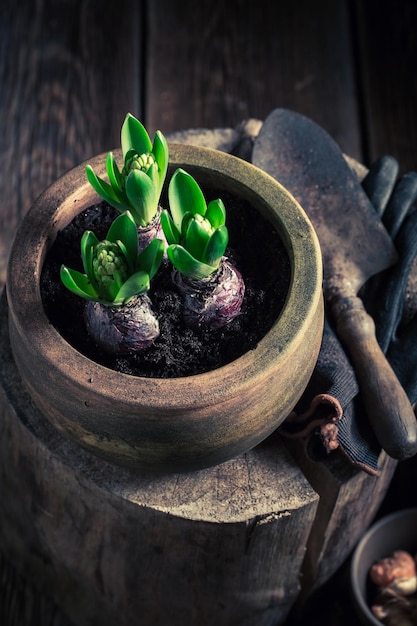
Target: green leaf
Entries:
(184, 196)
(123, 248)
(149, 260)
(130, 154)
(216, 247)
(196, 238)
(171, 232)
(88, 243)
(134, 136)
(124, 229)
(216, 213)
(117, 276)
(161, 154)
(141, 193)
(113, 172)
(187, 218)
(187, 264)
(153, 174)
(78, 283)
(104, 190)
(108, 293)
(136, 284)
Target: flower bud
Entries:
(108, 259)
(204, 224)
(141, 162)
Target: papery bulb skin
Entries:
(131, 327)
(152, 231)
(214, 301)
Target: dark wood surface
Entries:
(70, 70)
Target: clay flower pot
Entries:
(179, 423)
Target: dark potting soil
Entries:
(255, 249)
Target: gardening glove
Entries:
(346, 428)
(387, 294)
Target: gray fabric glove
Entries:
(386, 295)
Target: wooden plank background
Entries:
(71, 69)
(386, 68)
(235, 60)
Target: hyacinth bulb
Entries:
(120, 330)
(214, 301)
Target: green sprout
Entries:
(114, 271)
(138, 186)
(196, 234)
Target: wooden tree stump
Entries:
(219, 546)
(233, 544)
(349, 500)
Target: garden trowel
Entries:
(355, 246)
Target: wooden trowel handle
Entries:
(389, 410)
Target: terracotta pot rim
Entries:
(54, 209)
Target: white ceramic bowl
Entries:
(397, 531)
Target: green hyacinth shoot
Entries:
(114, 271)
(196, 232)
(138, 186)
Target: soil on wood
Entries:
(255, 249)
